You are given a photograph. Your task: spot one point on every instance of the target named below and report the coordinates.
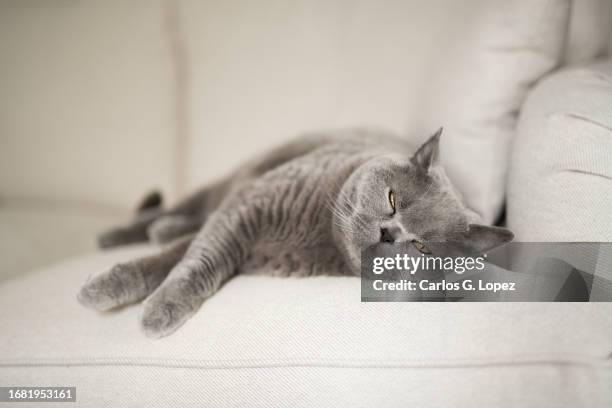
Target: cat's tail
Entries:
(153, 200)
(147, 211)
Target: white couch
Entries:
(102, 101)
(264, 341)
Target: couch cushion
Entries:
(260, 75)
(303, 342)
(39, 233)
(590, 33)
(560, 185)
(480, 87)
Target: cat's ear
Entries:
(429, 152)
(481, 238)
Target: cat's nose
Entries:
(385, 236)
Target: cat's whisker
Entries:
(349, 219)
(356, 216)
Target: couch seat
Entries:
(264, 341)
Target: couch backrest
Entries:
(87, 103)
(104, 100)
(262, 74)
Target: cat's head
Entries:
(394, 198)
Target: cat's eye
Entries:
(420, 247)
(392, 200)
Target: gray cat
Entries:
(306, 208)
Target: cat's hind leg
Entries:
(186, 216)
(131, 233)
(167, 228)
(132, 281)
(191, 211)
(147, 211)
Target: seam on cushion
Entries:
(565, 360)
(582, 118)
(588, 173)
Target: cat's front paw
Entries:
(176, 300)
(108, 290)
(162, 317)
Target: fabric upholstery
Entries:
(506, 49)
(560, 185)
(146, 75)
(590, 33)
(264, 341)
(308, 386)
(34, 234)
(291, 67)
(122, 97)
(100, 120)
(87, 108)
